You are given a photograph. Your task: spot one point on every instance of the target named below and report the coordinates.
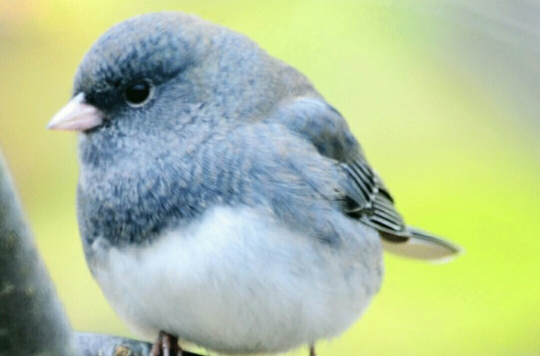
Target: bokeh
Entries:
(443, 95)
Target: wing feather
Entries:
(366, 197)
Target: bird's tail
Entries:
(421, 245)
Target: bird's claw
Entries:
(166, 345)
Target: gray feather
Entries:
(424, 246)
(228, 124)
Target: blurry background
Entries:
(443, 95)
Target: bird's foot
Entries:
(166, 345)
(312, 351)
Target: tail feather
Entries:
(422, 245)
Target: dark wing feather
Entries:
(375, 209)
(367, 198)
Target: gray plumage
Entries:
(225, 125)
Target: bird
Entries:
(221, 200)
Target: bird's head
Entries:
(166, 69)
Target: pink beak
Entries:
(76, 116)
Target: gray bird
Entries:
(221, 199)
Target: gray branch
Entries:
(32, 319)
(106, 345)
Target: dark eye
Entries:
(137, 94)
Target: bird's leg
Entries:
(156, 347)
(170, 345)
(166, 345)
(312, 351)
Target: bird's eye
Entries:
(138, 94)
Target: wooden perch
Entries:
(106, 345)
(32, 319)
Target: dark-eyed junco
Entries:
(221, 199)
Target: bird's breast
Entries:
(236, 281)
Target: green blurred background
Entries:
(444, 97)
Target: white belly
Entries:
(235, 282)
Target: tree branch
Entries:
(106, 345)
(32, 321)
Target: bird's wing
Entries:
(367, 198)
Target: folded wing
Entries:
(367, 198)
